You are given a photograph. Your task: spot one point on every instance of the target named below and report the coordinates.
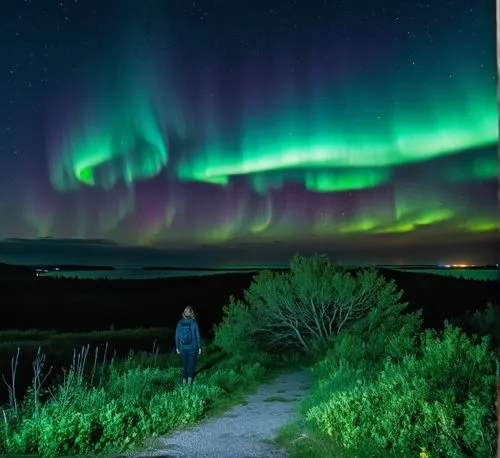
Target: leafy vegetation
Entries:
(109, 405)
(485, 322)
(438, 397)
(304, 307)
(382, 383)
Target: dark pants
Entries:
(188, 362)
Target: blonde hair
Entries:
(191, 312)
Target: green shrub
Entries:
(365, 350)
(305, 307)
(355, 358)
(439, 397)
(235, 334)
(487, 323)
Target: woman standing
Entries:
(188, 343)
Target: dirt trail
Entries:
(242, 432)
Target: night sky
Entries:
(240, 132)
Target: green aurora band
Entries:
(340, 144)
(328, 142)
(122, 138)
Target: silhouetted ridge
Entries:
(67, 304)
(11, 271)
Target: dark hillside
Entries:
(84, 305)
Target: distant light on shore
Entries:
(458, 265)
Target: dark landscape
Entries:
(74, 305)
(311, 186)
(72, 320)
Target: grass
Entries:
(62, 344)
(302, 442)
(98, 405)
(299, 442)
(60, 348)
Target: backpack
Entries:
(186, 334)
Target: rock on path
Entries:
(245, 430)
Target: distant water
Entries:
(139, 274)
(134, 274)
(469, 274)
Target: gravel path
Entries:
(245, 430)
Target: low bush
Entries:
(305, 307)
(438, 396)
(485, 322)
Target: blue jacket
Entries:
(195, 333)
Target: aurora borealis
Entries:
(252, 130)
